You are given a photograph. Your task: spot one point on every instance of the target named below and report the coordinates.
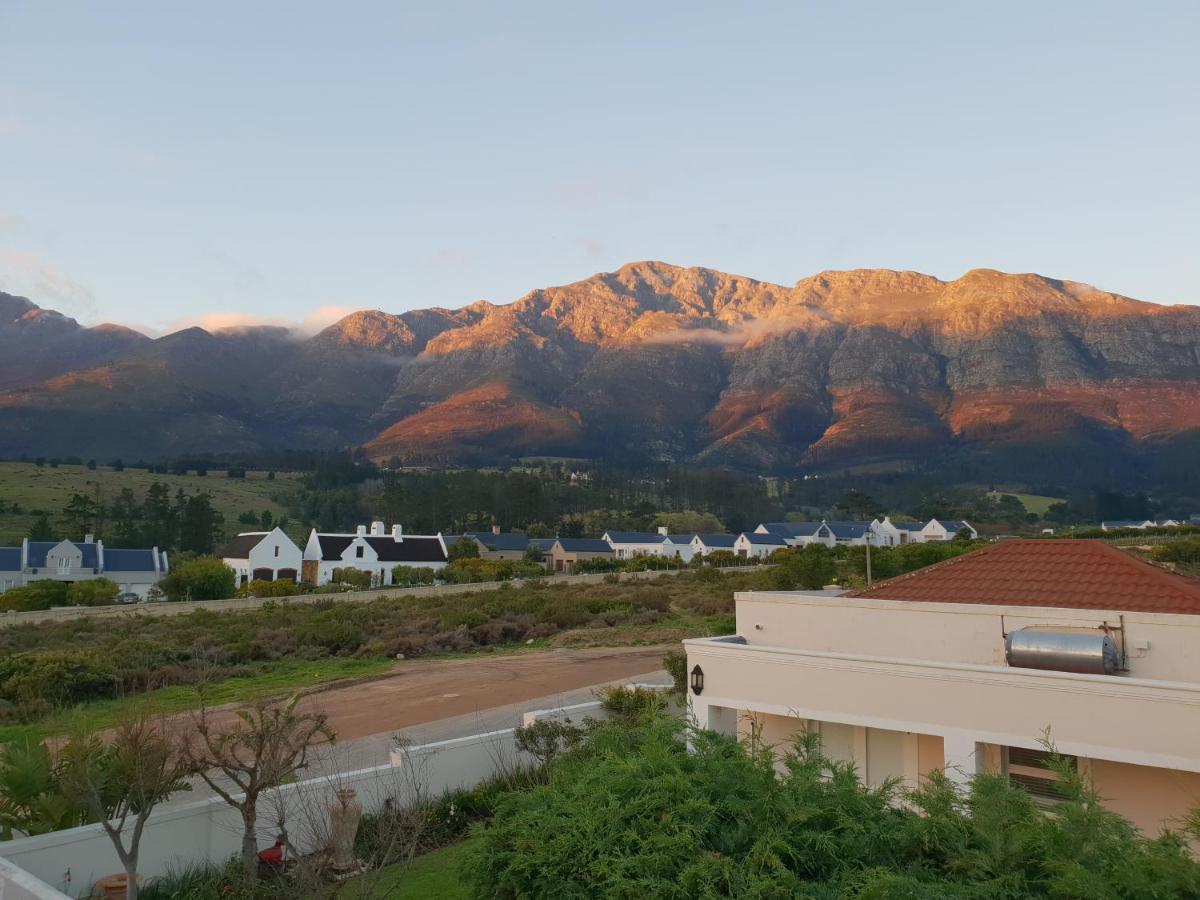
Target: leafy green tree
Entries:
(809, 568)
(32, 800)
(464, 548)
(199, 523)
(266, 520)
(79, 517)
(42, 530)
(120, 782)
(202, 578)
(534, 554)
(93, 592)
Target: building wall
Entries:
(953, 632)
(1150, 798)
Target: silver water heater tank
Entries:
(1093, 653)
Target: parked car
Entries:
(128, 597)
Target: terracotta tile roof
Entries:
(1077, 574)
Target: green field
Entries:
(271, 679)
(1033, 503)
(42, 489)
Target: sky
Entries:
(226, 162)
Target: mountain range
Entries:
(652, 362)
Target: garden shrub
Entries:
(634, 813)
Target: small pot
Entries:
(115, 887)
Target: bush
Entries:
(202, 578)
(93, 592)
(57, 677)
(675, 663)
(411, 575)
(260, 587)
(630, 705)
(634, 813)
(37, 595)
(356, 578)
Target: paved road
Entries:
(436, 700)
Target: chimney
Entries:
(361, 530)
(397, 533)
(376, 529)
(89, 539)
(663, 530)
(495, 529)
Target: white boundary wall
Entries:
(209, 831)
(17, 884)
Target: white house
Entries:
(704, 544)
(376, 552)
(1115, 524)
(628, 544)
(946, 531)
(262, 556)
(798, 534)
(895, 534)
(134, 571)
(964, 667)
(753, 545)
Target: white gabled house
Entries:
(935, 530)
(373, 550)
(262, 556)
(895, 534)
(628, 544)
(134, 571)
(798, 534)
(755, 545)
(704, 544)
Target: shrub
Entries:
(262, 588)
(546, 739)
(37, 595)
(202, 578)
(630, 705)
(410, 575)
(635, 813)
(675, 663)
(93, 592)
(356, 578)
(57, 677)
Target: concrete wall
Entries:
(174, 609)
(17, 884)
(209, 831)
(953, 632)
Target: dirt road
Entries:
(425, 691)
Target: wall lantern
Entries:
(697, 680)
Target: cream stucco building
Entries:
(915, 675)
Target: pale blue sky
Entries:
(162, 162)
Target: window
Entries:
(1031, 770)
(276, 551)
(358, 551)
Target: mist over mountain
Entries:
(991, 372)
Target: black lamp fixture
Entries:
(697, 680)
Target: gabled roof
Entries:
(953, 526)
(10, 559)
(119, 560)
(506, 540)
(847, 531)
(39, 549)
(240, 546)
(584, 545)
(333, 545)
(721, 541)
(411, 549)
(792, 529)
(635, 537)
(770, 540)
(1074, 574)
(543, 544)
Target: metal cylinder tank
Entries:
(1062, 651)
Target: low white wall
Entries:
(209, 831)
(17, 884)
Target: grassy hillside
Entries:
(1033, 503)
(37, 489)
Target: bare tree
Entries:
(125, 777)
(263, 747)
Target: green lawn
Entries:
(1034, 503)
(272, 679)
(434, 875)
(48, 489)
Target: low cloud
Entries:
(731, 337)
(33, 277)
(316, 320)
